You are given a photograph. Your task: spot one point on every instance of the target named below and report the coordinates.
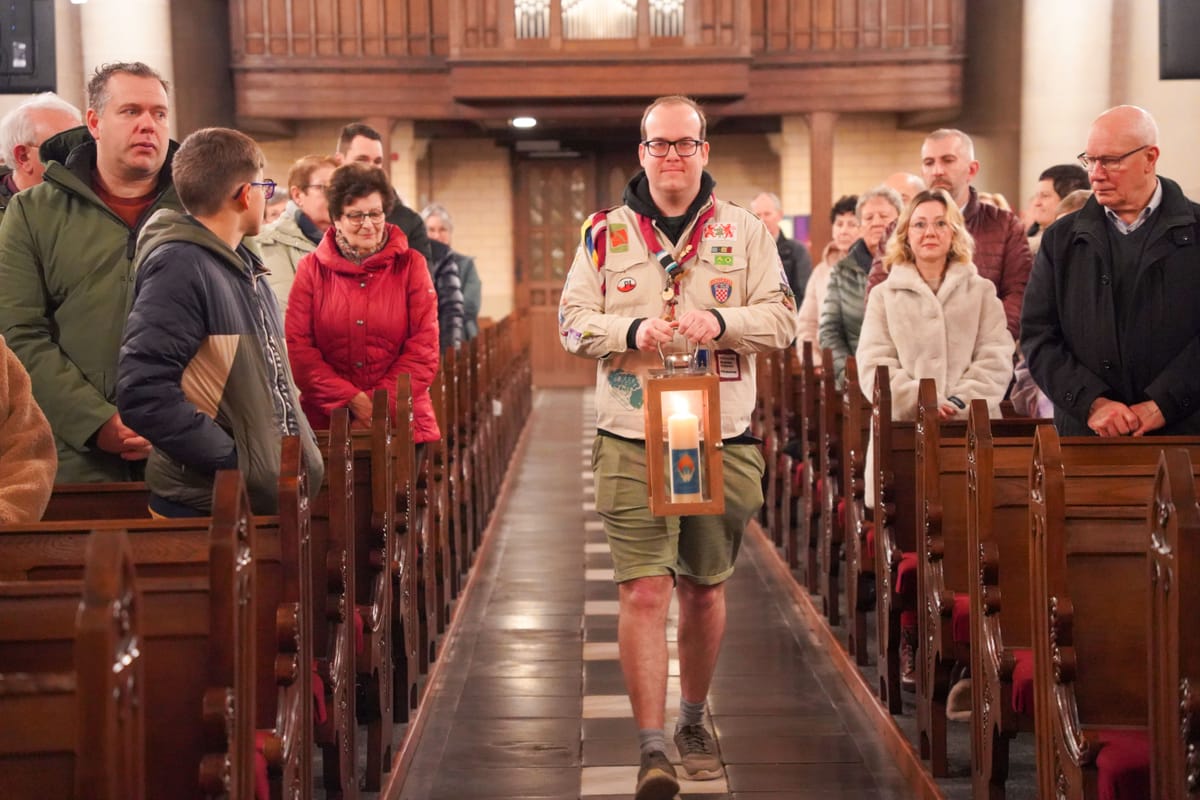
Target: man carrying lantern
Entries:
(673, 264)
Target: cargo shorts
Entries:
(702, 548)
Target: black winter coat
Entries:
(446, 280)
(1069, 326)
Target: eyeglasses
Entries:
(357, 218)
(268, 188)
(920, 226)
(1109, 163)
(683, 147)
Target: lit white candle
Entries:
(683, 450)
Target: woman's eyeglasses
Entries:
(357, 218)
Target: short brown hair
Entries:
(302, 171)
(680, 100)
(210, 164)
(352, 132)
(352, 182)
(97, 88)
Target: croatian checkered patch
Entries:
(721, 289)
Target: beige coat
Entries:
(28, 458)
(959, 337)
(598, 306)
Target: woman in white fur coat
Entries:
(934, 316)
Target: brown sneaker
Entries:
(698, 753)
(656, 778)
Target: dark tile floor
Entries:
(530, 701)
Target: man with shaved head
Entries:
(1110, 326)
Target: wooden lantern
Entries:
(683, 442)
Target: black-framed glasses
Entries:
(268, 188)
(1110, 163)
(683, 147)
(357, 218)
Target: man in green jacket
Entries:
(66, 271)
(22, 132)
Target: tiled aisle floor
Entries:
(530, 701)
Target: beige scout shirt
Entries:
(737, 272)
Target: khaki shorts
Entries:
(702, 548)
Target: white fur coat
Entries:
(959, 337)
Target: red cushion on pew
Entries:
(360, 642)
(908, 619)
(820, 488)
(1022, 678)
(841, 514)
(318, 690)
(906, 577)
(869, 550)
(262, 786)
(1123, 764)
(960, 618)
(797, 477)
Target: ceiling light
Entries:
(523, 122)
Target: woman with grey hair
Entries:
(440, 227)
(846, 294)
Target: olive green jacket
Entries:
(66, 285)
(282, 244)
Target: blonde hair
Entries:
(962, 246)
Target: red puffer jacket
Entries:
(355, 327)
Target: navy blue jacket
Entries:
(1069, 328)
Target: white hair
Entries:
(17, 126)
(437, 210)
(773, 198)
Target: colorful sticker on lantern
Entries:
(626, 284)
(721, 230)
(721, 289)
(626, 389)
(685, 471)
(618, 237)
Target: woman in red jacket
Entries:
(362, 309)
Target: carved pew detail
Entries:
(830, 542)
(75, 727)
(1174, 667)
(856, 427)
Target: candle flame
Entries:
(679, 402)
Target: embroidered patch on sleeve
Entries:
(618, 237)
(626, 389)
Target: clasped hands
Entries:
(1113, 418)
(697, 326)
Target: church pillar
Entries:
(821, 126)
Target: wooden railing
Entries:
(354, 34)
(482, 59)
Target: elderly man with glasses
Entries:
(1110, 324)
(673, 263)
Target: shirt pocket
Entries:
(631, 284)
(720, 279)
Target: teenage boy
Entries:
(203, 374)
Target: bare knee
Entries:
(699, 598)
(646, 595)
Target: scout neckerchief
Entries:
(674, 267)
